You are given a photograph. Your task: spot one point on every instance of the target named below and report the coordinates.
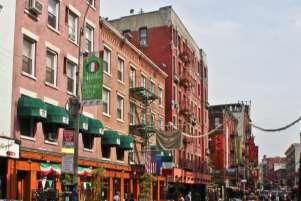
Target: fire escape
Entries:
(144, 126)
(186, 109)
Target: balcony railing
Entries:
(143, 94)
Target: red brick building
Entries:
(274, 172)
(46, 60)
(163, 37)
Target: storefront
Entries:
(9, 150)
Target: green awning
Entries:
(126, 142)
(95, 127)
(83, 123)
(111, 138)
(31, 108)
(57, 115)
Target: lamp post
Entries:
(75, 106)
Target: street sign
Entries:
(92, 81)
(67, 164)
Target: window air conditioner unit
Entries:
(35, 7)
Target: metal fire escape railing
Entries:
(144, 124)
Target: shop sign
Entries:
(9, 148)
(67, 164)
(68, 142)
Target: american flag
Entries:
(150, 165)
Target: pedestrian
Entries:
(188, 196)
(116, 196)
(180, 197)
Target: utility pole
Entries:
(75, 106)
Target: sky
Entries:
(254, 52)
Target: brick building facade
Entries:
(164, 38)
(47, 57)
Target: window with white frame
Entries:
(89, 38)
(53, 13)
(106, 101)
(120, 107)
(72, 26)
(161, 125)
(107, 59)
(132, 77)
(153, 88)
(160, 96)
(51, 66)
(132, 113)
(28, 56)
(120, 71)
(143, 116)
(71, 76)
(143, 81)
(91, 2)
(143, 37)
(152, 119)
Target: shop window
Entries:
(120, 154)
(50, 132)
(88, 141)
(116, 186)
(105, 189)
(127, 191)
(28, 127)
(106, 151)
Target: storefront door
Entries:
(23, 178)
(3, 169)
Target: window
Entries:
(132, 77)
(143, 117)
(91, 2)
(132, 113)
(120, 105)
(72, 26)
(161, 124)
(107, 59)
(161, 96)
(53, 13)
(28, 56)
(143, 37)
(106, 151)
(71, 76)
(50, 132)
(153, 88)
(143, 81)
(28, 127)
(89, 38)
(216, 122)
(88, 141)
(119, 154)
(120, 72)
(131, 157)
(106, 101)
(152, 119)
(51, 67)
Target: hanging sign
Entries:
(68, 142)
(67, 164)
(9, 148)
(92, 81)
